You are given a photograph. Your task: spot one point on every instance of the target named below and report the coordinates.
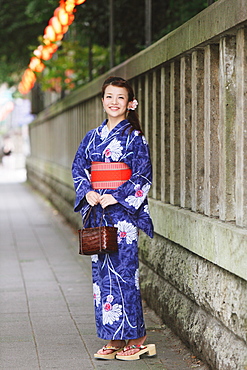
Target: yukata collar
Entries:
(106, 134)
(118, 126)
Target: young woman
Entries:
(117, 144)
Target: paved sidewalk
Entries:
(46, 306)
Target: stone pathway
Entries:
(46, 306)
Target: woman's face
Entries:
(115, 102)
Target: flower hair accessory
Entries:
(133, 104)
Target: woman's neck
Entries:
(111, 122)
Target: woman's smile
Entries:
(115, 103)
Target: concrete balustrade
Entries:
(191, 87)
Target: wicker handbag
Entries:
(97, 240)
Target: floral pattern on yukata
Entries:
(113, 151)
(140, 194)
(111, 312)
(116, 291)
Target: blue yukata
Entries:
(116, 291)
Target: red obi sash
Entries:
(109, 175)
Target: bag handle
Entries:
(87, 216)
(101, 219)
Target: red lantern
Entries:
(69, 6)
(49, 33)
(46, 53)
(65, 29)
(46, 42)
(56, 11)
(38, 52)
(48, 50)
(62, 16)
(36, 64)
(59, 37)
(56, 25)
(52, 47)
(71, 19)
(21, 88)
(28, 79)
(79, 2)
(40, 67)
(30, 75)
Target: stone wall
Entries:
(203, 303)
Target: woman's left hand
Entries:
(107, 200)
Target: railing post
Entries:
(165, 133)
(175, 134)
(155, 146)
(227, 136)
(241, 129)
(211, 117)
(185, 131)
(197, 118)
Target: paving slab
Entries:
(46, 306)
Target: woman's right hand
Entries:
(92, 198)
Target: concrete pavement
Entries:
(46, 305)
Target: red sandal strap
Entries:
(134, 346)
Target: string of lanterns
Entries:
(58, 25)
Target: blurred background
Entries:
(102, 35)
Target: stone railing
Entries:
(191, 88)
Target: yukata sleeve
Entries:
(81, 177)
(133, 192)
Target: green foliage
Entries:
(92, 20)
(178, 12)
(22, 23)
(40, 11)
(68, 69)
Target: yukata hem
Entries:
(124, 337)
